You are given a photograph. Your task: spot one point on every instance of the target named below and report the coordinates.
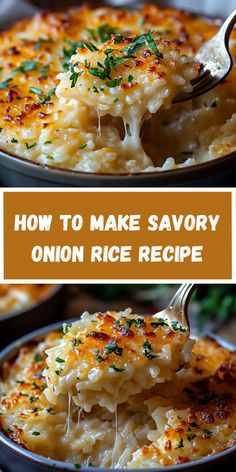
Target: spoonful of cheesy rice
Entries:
(104, 358)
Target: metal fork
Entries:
(177, 309)
(216, 61)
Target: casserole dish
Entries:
(19, 171)
(18, 459)
(19, 322)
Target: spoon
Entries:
(216, 61)
(177, 309)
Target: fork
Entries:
(216, 62)
(177, 309)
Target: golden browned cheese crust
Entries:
(182, 420)
(65, 128)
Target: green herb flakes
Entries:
(5, 83)
(60, 360)
(113, 348)
(38, 357)
(66, 327)
(180, 444)
(116, 369)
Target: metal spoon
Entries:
(177, 309)
(216, 62)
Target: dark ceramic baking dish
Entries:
(16, 459)
(47, 310)
(19, 172)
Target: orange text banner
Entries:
(117, 235)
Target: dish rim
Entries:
(10, 351)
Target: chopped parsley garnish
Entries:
(103, 70)
(30, 146)
(116, 369)
(108, 51)
(60, 360)
(159, 322)
(191, 436)
(38, 357)
(69, 52)
(36, 433)
(35, 90)
(90, 46)
(113, 347)
(74, 77)
(42, 41)
(92, 33)
(106, 31)
(50, 411)
(129, 322)
(118, 38)
(176, 326)
(44, 71)
(26, 66)
(113, 83)
(180, 444)
(147, 350)
(116, 100)
(139, 322)
(152, 44)
(194, 425)
(66, 327)
(13, 140)
(77, 466)
(35, 385)
(135, 45)
(82, 146)
(33, 399)
(130, 78)
(140, 41)
(98, 356)
(43, 100)
(5, 83)
(76, 342)
(208, 432)
(47, 142)
(58, 372)
(95, 89)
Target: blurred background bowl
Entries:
(48, 309)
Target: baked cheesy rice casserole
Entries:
(120, 390)
(92, 89)
(14, 297)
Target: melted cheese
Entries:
(77, 125)
(104, 358)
